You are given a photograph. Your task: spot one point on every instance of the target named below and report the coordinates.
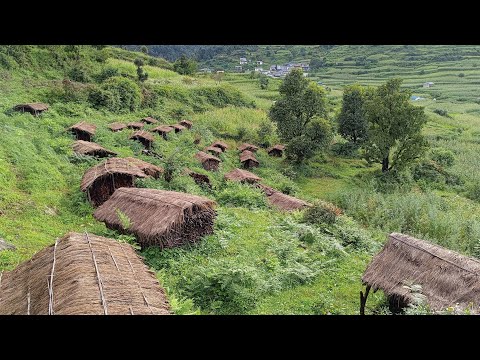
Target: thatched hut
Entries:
(136, 125)
(117, 126)
(83, 131)
(213, 150)
(249, 147)
(276, 150)
(282, 201)
(178, 127)
(200, 179)
(83, 274)
(209, 162)
(102, 180)
(446, 278)
(162, 130)
(33, 108)
(144, 137)
(81, 147)
(221, 145)
(242, 176)
(6, 246)
(248, 159)
(187, 123)
(157, 217)
(149, 120)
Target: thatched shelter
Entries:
(200, 179)
(136, 125)
(187, 123)
(282, 201)
(213, 150)
(144, 137)
(221, 145)
(83, 131)
(6, 246)
(178, 127)
(249, 147)
(162, 130)
(446, 278)
(102, 180)
(81, 147)
(83, 274)
(209, 162)
(116, 126)
(242, 176)
(158, 217)
(276, 150)
(248, 159)
(149, 120)
(33, 108)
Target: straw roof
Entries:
(187, 123)
(203, 157)
(246, 146)
(282, 201)
(278, 148)
(135, 125)
(85, 127)
(213, 150)
(116, 126)
(178, 127)
(447, 278)
(149, 120)
(248, 155)
(162, 129)
(81, 147)
(126, 166)
(32, 107)
(6, 246)
(242, 176)
(146, 167)
(83, 274)
(142, 134)
(158, 217)
(221, 145)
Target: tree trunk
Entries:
(385, 164)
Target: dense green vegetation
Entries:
(259, 260)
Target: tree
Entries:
(263, 81)
(352, 123)
(185, 66)
(300, 116)
(394, 126)
(142, 76)
(144, 49)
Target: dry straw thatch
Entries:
(144, 137)
(83, 274)
(178, 127)
(187, 123)
(149, 120)
(213, 150)
(248, 159)
(81, 147)
(446, 277)
(246, 146)
(221, 145)
(162, 130)
(83, 130)
(209, 162)
(32, 108)
(282, 201)
(158, 217)
(276, 150)
(200, 179)
(243, 176)
(137, 125)
(102, 180)
(116, 126)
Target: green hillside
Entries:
(259, 260)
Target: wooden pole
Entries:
(363, 299)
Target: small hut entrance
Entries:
(105, 186)
(81, 135)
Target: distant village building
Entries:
(259, 62)
(220, 71)
(205, 70)
(238, 68)
(428, 84)
(243, 61)
(258, 69)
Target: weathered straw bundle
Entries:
(149, 120)
(135, 125)
(158, 217)
(276, 150)
(116, 126)
(178, 127)
(162, 130)
(83, 274)
(246, 146)
(81, 147)
(144, 137)
(209, 162)
(243, 176)
(187, 123)
(213, 150)
(221, 145)
(83, 130)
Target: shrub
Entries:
(473, 192)
(429, 171)
(265, 133)
(117, 94)
(441, 112)
(242, 196)
(347, 149)
(322, 213)
(390, 181)
(461, 75)
(443, 157)
(106, 73)
(78, 73)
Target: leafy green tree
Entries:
(300, 117)
(144, 49)
(185, 66)
(352, 123)
(394, 126)
(142, 75)
(263, 81)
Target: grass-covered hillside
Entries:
(259, 260)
